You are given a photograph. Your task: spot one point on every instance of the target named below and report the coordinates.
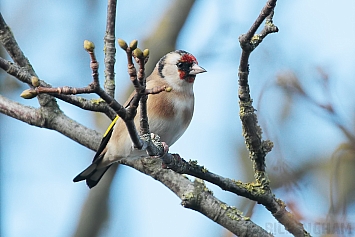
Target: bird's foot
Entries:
(165, 146)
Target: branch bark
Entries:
(110, 49)
(23, 75)
(57, 121)
(196, 196)
(257, 147)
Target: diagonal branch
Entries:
(248, 190)
(44, 118)
(53, 117)
(179, 165)
(8, 40)
(196, 196)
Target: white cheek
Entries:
(170, 70)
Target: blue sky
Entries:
(38, 197)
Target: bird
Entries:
(169, 113)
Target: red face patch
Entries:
(189, 58)
(186, 77)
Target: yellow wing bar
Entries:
(111, 125)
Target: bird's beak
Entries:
(196, 69)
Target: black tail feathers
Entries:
(91, 174)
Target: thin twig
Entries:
(81, 102)
(265, 12)
(251, 130)
(110, 49)
(144, 125)
(7, 39)
(9, 42)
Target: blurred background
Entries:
(301, 80)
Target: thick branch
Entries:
(45, 118)
(248, 190)
(196, 196)
(179, 165)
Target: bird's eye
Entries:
(179, 65)
(184, 66)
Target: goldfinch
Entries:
(169, 113)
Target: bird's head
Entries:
(179, 68)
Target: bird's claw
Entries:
(165, 146)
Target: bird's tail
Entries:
(92, 174)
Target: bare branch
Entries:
(110, 49)
(45, 118)
(196, 196)
(251, 130)
(23, 113)
(54, 118)
(7, 39)
(251, 191)
(23, 75)
(179, 165)
(267, 11)
(95, 210)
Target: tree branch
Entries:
(50, 111)
(7, 39)
(110, 49)
(257, 147)
(23, 75)
(45, 118)
(96, 208)
(95, 211)
(251, 130)
(251, 191)
(196, 196)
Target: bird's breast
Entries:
(170, 115)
